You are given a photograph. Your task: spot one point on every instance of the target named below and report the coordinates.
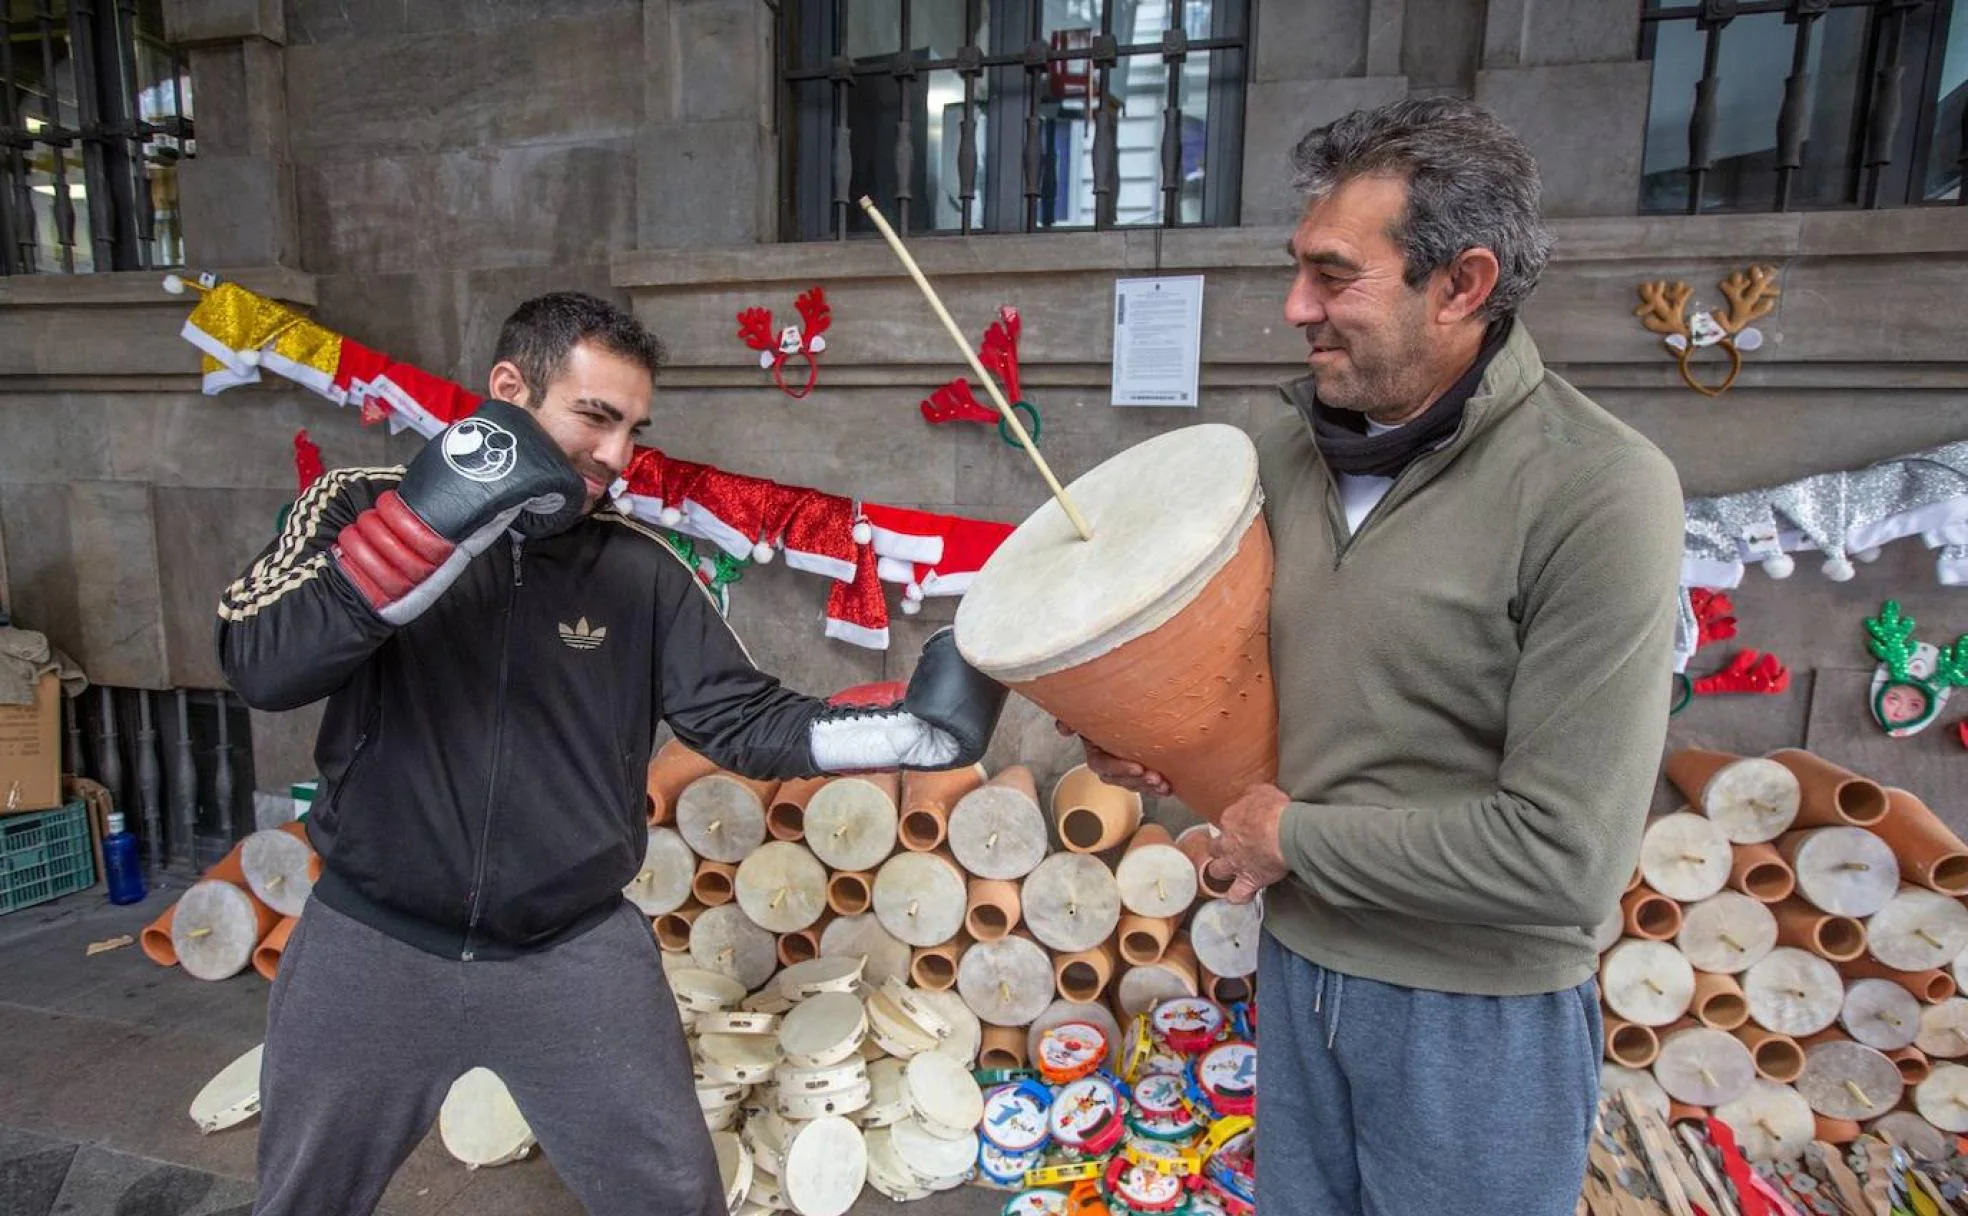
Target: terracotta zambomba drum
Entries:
(1152, 639)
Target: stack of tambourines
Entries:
(241, 911)
(1787, 956)
(946, 881)
(1170, 1130)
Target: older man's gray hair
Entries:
(1471, 182)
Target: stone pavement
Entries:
(100, 1058)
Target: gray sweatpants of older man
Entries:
(1388, 1101)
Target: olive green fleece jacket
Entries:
(1472, 688)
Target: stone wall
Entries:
(410, 172)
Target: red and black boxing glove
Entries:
(495, 470)
(943, 718)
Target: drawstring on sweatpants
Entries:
(1319, 1000)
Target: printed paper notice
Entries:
(1158, 340)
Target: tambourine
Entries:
(932, 1160)
(737, 1059)
(888, 1103)
(1065, 1173)
(1069, 1051)
(886, 1173)
(700, 991)
(1224, 1079)
(1188, 1024)
(1003, 1169)
(831, 973)
(231, 1097)
(734, 1162)
(1162, 1109)
(897, 1034)
(919, 1012)
(942, 1095)
(1036, 1203)
(1140, 1045)
(737, 1022)
(1142, 1188)
(1016, 1117)
(826, 1163)
(830, 1079)
(806, 1107)
(1089, 1116)
(1230, 1166)
(822, 1030)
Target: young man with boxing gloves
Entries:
(482, 763)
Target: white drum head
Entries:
(920, 898)
(215, 930)
(1007, 982)
(892, 1030)
(231, 1097)
(996, 831)
(824, 1029)
(863, 937)
(1224, 936)
(807, 1107)
(1071, 902)
(782, 887)
(663, 883)
(479, 1122)
(888, 1102)
(1752, 800)
(943, 1094)
(276, 865)
(723, 939)
(1157, 880)
(1141, 988)
(737, 1059)
(886, 1172)
(1047, 600)
(850, 824)
(826, 1163)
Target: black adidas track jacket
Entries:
(483, 766)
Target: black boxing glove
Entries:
(944, 719)
(479, 476)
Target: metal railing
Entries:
(178, 764)
(1039, 60)
(1890, 150)
(79, 123)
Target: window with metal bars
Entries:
(95, 116)
(961, 116)
(1777, 105)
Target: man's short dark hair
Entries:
(540, 334)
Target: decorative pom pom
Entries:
(671, 517)
(174, 284)
(762, 552)
(863, 532)
(1839, 569)
(1780, 566)
(911, 607)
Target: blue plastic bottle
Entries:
(120, 865)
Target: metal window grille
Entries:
(1778, 105)
(95, 116)
(1010, 115)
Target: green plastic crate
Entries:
(45, 855)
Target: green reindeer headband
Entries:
(1893, 644)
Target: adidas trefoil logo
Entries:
(580, 637)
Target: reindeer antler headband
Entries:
(1908, 665)
(1663, 309)
(755, 330)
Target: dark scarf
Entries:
(1342, 434)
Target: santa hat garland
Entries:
(961, 549)
(755, 331)
(857, 611)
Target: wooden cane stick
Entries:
(997, 398)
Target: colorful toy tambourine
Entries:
(1161, 1108)
(1188, 1024)
(1036, 1203)
(1063, 1174)
(1225, 1078)
(1069, 1051)
(1231, 1166)
(1016, 1117)
(1005, 1169)
(1141, 1045)
(1141, 1188)
(1089, 1116)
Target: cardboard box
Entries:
(30, 751)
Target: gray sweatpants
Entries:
(1389, 1101)
(366, 1034)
